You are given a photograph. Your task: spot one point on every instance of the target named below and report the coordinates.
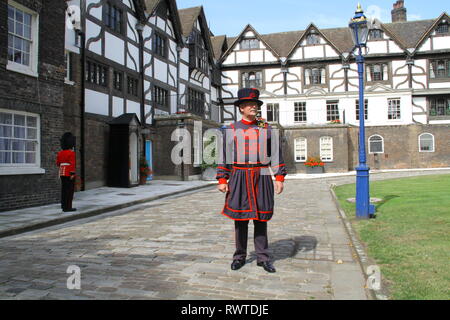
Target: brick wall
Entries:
(43, 96)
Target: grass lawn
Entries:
(410, 237)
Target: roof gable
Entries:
(431, 29)
(237, 39)
(310, 28)
(150, 6)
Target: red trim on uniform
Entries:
(248, 168)
(248, 122)
(248, 192)
(280, 165)
(223, 181)
(253, 191)
(223, 168)
(243, 219)
(279, 178)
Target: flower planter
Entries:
(209, 174)
(142, 180)
(316, 169)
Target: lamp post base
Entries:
(364, 210)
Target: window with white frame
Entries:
(19, 139)
(326, 148)
(22, 38)
(394, 109)
(312, 38)
(68, 62)
(332, 110)
(300, 149)
(366, 107)
(300, 112)
(426, 142)
(376, 144)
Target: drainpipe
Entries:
(140, 28)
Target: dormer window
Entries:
(442, 28)
(376, 34)
(312, 38)
(249, 43)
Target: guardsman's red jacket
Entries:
(66, 162)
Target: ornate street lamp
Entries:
(360, 31)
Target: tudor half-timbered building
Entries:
(309, 82)
(140, 60)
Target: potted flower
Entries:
(336, 121)
(314, 165)
(144, 171)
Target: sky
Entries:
(269, 16)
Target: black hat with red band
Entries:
(248, 94)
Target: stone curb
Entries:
(90, 213)
(357, 247)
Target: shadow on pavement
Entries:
(287, 248)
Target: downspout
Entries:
(140, 28)
(82, 35)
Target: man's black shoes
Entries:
(237, 264)
(70, 210)
(267, 265)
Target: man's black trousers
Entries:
(67, 189)
(260, 240)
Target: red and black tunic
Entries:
(250, 193)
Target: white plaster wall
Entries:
(173, 51)
(134, 107)
(231, 88)
(330, 52)
(298, 54)
(377, 47)
(314, 52)
(420, 82)
(131, 31)
(114, 48)
(270, 73)
(95, 12)
(231, 59)
(184, 71)
(439, 85)
(160, 23)
(206, 82)
(173, 71)
(426, 46)
(117, 106)
(256, 56)
(269, 56)
(441, 43)
(133, 51)
(92, 31)
(160, 70)
(233, 75)
(185, 55)
(97, 102)
(394, 48)
(242, 57)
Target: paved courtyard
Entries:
(181, 248)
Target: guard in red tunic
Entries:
(65, 160)
(245, 175)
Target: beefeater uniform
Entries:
(66, 161)
(250, 193)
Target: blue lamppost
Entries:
(360, 32)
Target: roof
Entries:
(408, 34)
(188, 17)
(217, 44)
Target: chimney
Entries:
(399, 12)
